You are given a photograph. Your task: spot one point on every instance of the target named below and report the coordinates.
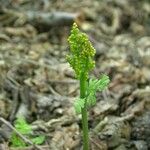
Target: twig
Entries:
(44, 147)
(19, 134)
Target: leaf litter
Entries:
(36, 81)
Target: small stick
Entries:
(44, 147)
(19, 134)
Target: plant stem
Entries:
(84, 113)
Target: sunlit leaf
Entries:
(79, 104)
(94, 86)
(38, 140)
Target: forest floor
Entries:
(36, 81)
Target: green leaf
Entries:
(94, 86)
(102, 83)
(17, 141)
(38, 140)
(91, 100)
(98, 85)
(22, 126)
(79, 104)
(25, 129)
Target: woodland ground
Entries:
(37, 82)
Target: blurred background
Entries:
(36, 81)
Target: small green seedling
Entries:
(81, 59)
(26, 130)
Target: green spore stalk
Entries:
(81, 59)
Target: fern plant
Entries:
(81, 59)
(26, 130)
